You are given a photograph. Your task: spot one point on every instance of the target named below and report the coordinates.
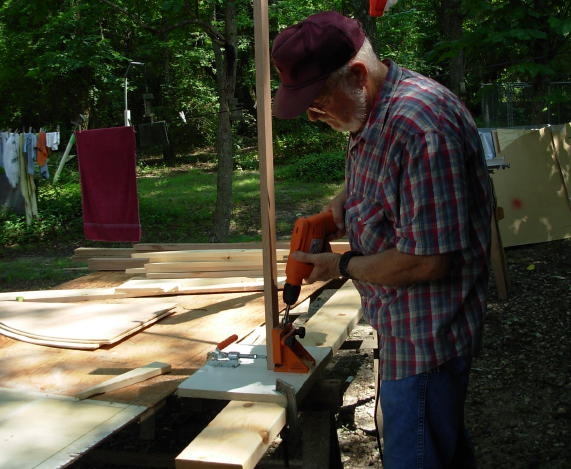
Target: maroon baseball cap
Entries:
(306, 53)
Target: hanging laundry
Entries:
(52, 140)
(30, 151)
(107, 171)
(42, 154)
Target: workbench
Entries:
(181, 340)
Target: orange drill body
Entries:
(309, 235)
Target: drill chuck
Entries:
(291, 293)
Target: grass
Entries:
(175, 205)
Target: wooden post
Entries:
(265, 151)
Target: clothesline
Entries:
(20, 153)
(36, 148)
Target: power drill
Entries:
(309, 235)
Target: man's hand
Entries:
(325, 265)
(336, 205)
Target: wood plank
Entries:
(83, 253)
(212, 266)
(237, 437)
(37, 433)
(337, 246)
(147, 287)
(114, 263)
(126, 379)
(72, 295)
(192, 285)
(207, 275)
(209, 255)
(265, 152)
(150, 247)
(334, 321)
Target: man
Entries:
(416, 207)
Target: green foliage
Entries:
(296, 137)
(58, 223)
(34, 273)
(316, 167)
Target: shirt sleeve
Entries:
(433, 214)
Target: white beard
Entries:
(359, 100)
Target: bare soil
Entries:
(518, 407)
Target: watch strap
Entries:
(344, 262)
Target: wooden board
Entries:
(65, 295)
(47, 431)
(237, 437)
(250, 256)
(532, 192)
(114, 263)
(84, 253)
(126, 379)
(192, 285)
(251, 381)
(334, 321)
(81, 326)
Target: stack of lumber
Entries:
(207, 263)
(244, 257)
(107, 258)
(188, 268)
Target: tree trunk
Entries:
(225, 55)
(451, 18)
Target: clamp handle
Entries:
(226, 342)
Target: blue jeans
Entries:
(423, 419)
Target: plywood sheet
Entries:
(532, 192)
(76, 325)
(43, 431)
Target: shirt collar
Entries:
(381, 104)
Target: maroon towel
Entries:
(107, 161)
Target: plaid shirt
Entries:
(417, 181)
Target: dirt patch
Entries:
(519, 402)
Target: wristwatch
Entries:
(344, 262)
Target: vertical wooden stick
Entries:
(265, 150)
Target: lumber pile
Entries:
(187, 260)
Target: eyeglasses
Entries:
(320, 103)
(316, 110)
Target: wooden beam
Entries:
(265, 151)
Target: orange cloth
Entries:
(43, 151)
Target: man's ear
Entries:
(359, 74)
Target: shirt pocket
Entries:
(369, 224)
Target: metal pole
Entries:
(126, 111)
